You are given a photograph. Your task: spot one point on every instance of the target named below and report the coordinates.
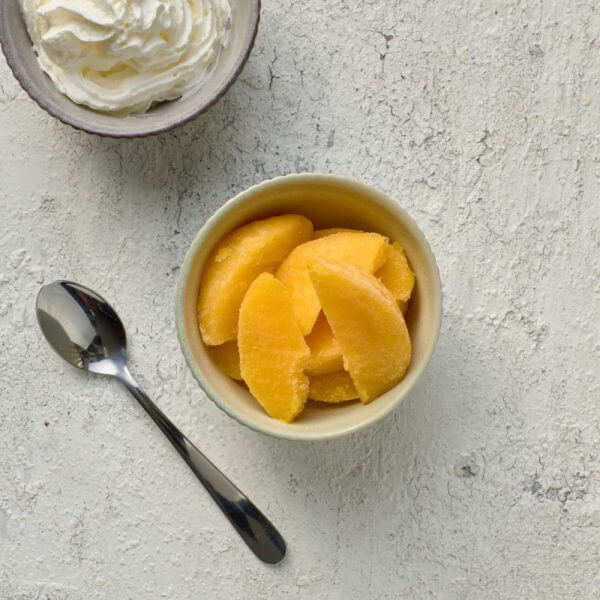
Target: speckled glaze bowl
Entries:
(329, 201)
(17, 48)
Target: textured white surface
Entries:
(483, 119)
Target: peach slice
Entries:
(367, 323)
(273, 353)
(325, 352)
(366, 251)
(332, 388)
(227, 358)
(320, 233)
(397, 275)
(235, 263)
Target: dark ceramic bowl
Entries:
(18, 50)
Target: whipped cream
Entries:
(125, 55)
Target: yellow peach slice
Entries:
(273, 353)
(367, 323)
(227, 358)
(320, 233)
(332, 388)
(366, 251)
(325, 352)
(397, 275)
(234, 264)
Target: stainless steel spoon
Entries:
(84, 329)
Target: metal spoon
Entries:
(84, 329)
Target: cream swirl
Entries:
(125, 55)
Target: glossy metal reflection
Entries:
(84, 329)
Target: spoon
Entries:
(85, 330)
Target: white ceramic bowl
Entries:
(21, 58)
(329, 201)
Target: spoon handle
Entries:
(254, 528)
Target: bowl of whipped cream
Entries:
(127, 68)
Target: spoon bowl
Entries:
(82, 328)
(86, 332)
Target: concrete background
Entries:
(482, 118)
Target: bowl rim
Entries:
(229, 207)
(81, 125)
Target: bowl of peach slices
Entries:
(308, 306)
